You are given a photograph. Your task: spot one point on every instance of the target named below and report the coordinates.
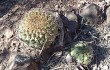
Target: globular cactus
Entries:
(38, 28)
(82, 52)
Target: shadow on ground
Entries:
(88, 34)
(6, 5)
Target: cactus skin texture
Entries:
(82, 53)
(38, 29)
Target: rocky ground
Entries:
(78, 26)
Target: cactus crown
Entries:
(82, 52)
(38, 28)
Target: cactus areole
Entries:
(82, 52)
(38, 28)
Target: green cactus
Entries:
(82, 52)
(38, 28)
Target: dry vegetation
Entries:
(94, 29)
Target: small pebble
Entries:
(106, 67)
(56, 7)
(8, 33)
(0, 67)
(68, 58)
(108, 1)
(108, 16)
(96, 68)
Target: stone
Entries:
(68, 58)
(8, 33)
(92, 13)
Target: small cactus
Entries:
(82, 52)
(38, 28)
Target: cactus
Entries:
(38, 28)
(82, 52)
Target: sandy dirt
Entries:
(16, 55)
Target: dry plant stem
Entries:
(43, 47)
(96, 48)
(82, 22)
(49, 64)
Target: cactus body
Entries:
(38, 28)
(82, 53)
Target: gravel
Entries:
(13, 11)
